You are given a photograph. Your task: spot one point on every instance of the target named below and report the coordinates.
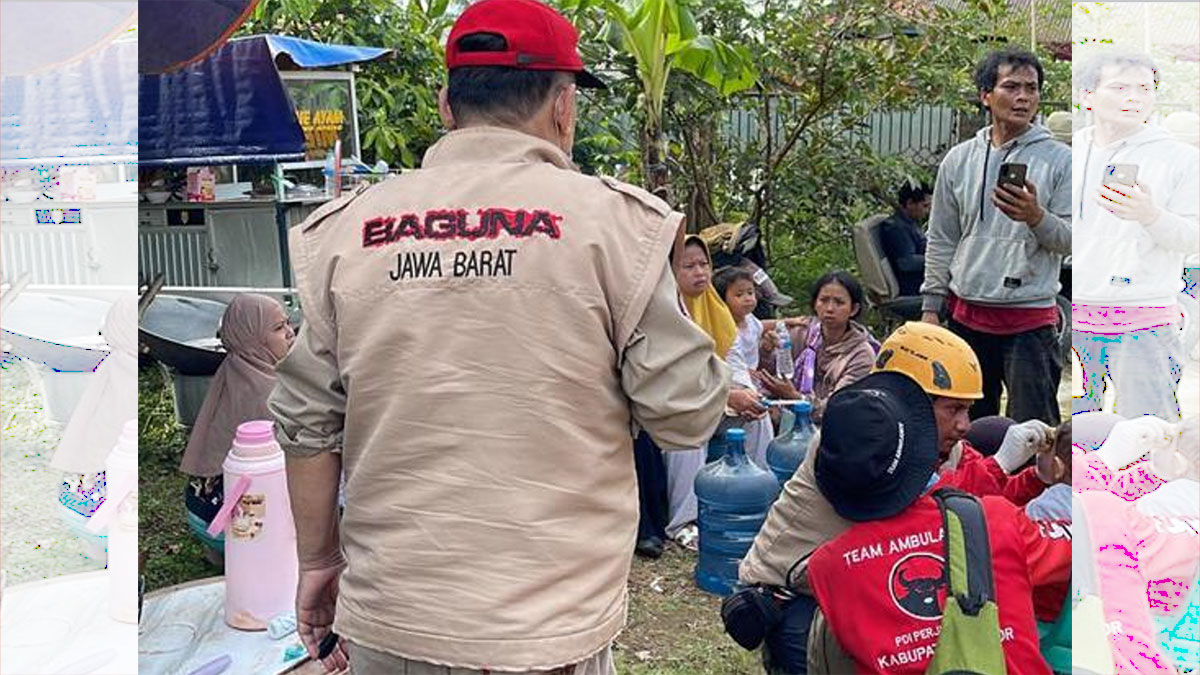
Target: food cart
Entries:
(237, 148)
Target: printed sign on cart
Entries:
(59, 216)
(324, 104)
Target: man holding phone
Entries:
(997, 235)
(1134, 221)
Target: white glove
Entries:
(1020, 443)
(1181, 458)
(1133, 438)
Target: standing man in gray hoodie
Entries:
(1135, 219)
(995, 248)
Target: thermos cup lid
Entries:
(256, 432)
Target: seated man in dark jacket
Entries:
(902, 238)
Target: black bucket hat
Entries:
(879, 447)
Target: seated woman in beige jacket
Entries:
(830, 349)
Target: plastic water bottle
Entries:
(261, 568)
(786, 452)
(785, 366)
(734, 497)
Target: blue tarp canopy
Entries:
(309, 54)
(232, 106)
(83, 111)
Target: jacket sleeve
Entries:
(1054, 232)
(1048, 558)
(1023, 487)
(900, 248)
(1125, 559)
(309, 400)
(1166, 551)
(1091, 473)
(1178, 227)
(1134, 482)
(983, 477)
(676, 384)
(945, 234)
(739, 370)
(309, 403)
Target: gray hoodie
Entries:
(1122, 262)
(982, 255)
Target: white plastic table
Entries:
(58, 625)
(183, 628)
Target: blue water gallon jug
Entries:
(717, 447)
(787, 450)
(734, 497)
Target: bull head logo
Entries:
(918, 585)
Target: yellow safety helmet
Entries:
(940, 361)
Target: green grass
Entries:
(674, 628)
(173, 555)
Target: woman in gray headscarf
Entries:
(256, 335)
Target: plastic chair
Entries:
(879, 280)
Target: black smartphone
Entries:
(325, 648)
(1120, 174)
(1012, 174)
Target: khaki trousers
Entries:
(367, 661)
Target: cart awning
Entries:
(309, 54)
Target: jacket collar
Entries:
(494, 145)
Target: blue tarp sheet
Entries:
(232, 106)
(309, 54)
(86, 110)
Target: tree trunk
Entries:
(654, 162)
(654, 155)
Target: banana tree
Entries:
(661, 36)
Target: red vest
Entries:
(881, 586)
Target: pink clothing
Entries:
(1118, 320)
(1089, 472)
(1144, 551)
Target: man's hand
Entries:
(1020, 443)
(313, 487)
(1130, 439)
(931, 317)
(1129, 202)
(316, 602)
(745, 403)
(1020, 205)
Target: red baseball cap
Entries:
(538, 38)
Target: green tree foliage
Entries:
(397, 97)
(793, 154)
(767, 120)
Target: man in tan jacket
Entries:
(480, 336)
